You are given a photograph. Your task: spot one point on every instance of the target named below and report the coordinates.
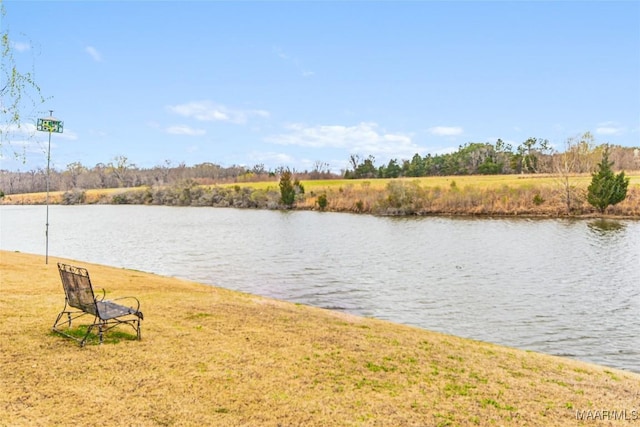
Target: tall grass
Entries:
(536, 197)
(509, 195)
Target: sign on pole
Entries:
(50, 125)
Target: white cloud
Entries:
(184, 130)
(446, 130)
(363, 138)
(607, 131)
(278, 51)
(67, 134)
(98, 133)
(28, 131)
(22, 128)
(93, 52)
(304, 72)
(207, 111)
(22, 152)
(609, 128)
(20, 46)
(271, 158)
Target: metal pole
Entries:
(46, 259)
(48, 124)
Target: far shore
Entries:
(543, 196)
(211, 356)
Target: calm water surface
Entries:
(562, 287)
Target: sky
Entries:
(296, 84)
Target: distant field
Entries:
(535, 195)
(479, 181)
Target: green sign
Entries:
(50, 125)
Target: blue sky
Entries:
(294, 83)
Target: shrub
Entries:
(119, 199)
(322, 202)
(287, 190)
(606, 188)
(73, 197)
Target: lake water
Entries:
(562, 287)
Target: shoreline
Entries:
(503, 196)
(212, 356)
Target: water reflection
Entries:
(606, 227)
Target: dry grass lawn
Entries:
(214, 357)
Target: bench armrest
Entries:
(137, 307)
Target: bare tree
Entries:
(354, 160)
(20, 95)
(576, 158)
(73, 172)
(320, 169)
(121, 170)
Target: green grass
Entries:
(113, 336)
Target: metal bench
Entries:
(80, 300)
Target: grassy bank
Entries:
(211, 356)
(508, 195)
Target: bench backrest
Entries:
(77, 288)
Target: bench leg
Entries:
(84, 339)
(62, 313)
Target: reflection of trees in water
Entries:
(606, 227)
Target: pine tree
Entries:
(287, 190)
(606, 188)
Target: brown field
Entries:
(214, 357)
(495, 195)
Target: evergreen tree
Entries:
(606, 188)
(287, 190)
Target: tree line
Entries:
(122, 173)
(535, 155)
